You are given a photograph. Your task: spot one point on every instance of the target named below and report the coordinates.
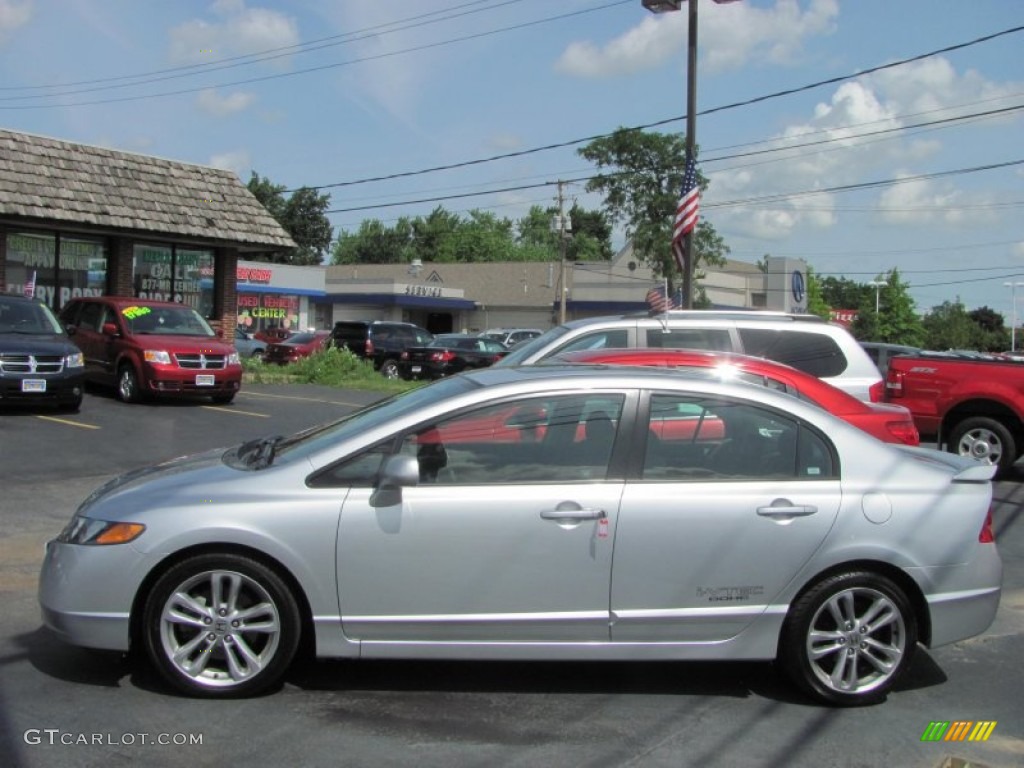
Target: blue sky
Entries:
(362, 88)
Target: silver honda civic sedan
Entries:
(542, 512)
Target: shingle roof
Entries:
(75, 183)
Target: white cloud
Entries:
(237, 160)
(14, 14)
(217, 105)
(240, 30)
(505, 142)
(730, 36)
(1018, 250)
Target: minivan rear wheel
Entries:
(389, 368)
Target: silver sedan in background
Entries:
(552, 513)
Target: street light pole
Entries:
(878, 287)
(1013, 327)
(662, 6)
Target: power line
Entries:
(657, 123)
(307, 70)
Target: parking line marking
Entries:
(68, 421)
(297, 397)
(235, 411)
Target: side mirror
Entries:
(110, 329)
(397, 472)
(70, 329)
(220, 333)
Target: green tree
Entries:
(641, 190)
(992, 335)
(374, 243)
(816, 304)
(896, 321)
(843, 293)
(302, 215)
(948, 326)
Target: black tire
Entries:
(128, 390)
(389, 369)
(202, 660)
(856, 662)
(70, 406)
(985, 439)
(223, 399)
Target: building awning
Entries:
(402, 300)
(249, 288)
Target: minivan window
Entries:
(713, 339)
(813, 353)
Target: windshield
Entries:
(301, 338)
(165, 321)
(27, 317)
(527, 349)
(323, 436)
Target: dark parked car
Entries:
(380, 341)
(449, 353)
(148, 348)
(297, 346)
(38, 362)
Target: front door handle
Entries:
(571, 511)
(784, 508)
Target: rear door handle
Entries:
(570, 510)
(785, 508)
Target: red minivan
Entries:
(145, 348)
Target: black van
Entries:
(381, 341)
(38, 361)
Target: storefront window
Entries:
(31, 261)
(167, 273)
(267, 311)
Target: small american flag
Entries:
(30, 287)
(659, 300)
(686, 212)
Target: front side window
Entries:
(693, 438)
(535, 440)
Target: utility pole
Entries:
(561, 250)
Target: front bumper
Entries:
(171, 380)
(86, 592)
(62, 387)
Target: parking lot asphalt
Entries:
(344, 713)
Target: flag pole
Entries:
(691, 142)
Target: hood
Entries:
(180, 475)
(184, 344)
(37, 344)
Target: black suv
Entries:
(38, 362)
(381, 341)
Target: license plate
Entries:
(33, 385)
(205, 380)
(417, 368)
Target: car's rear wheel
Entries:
(221, 625)
(847, 640)
(389, 369)
(128, 390)
(984, 439)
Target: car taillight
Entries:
(894, 384)
(442, 357)
(369, 348)
(404, 355)
(987, 535)
(876, 392)
(904, 431)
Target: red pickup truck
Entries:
(974, 407)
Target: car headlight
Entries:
(85, 530)
(157, 356)
(77, 360)
(233, 359)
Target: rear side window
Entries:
(617, 338)
(714, 339)
(813, 353)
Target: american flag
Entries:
(30, 287)
(686, 212)
(659, 300)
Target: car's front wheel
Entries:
(221, 625)
(847, 640)
(128, 390)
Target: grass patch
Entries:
(331, 368)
